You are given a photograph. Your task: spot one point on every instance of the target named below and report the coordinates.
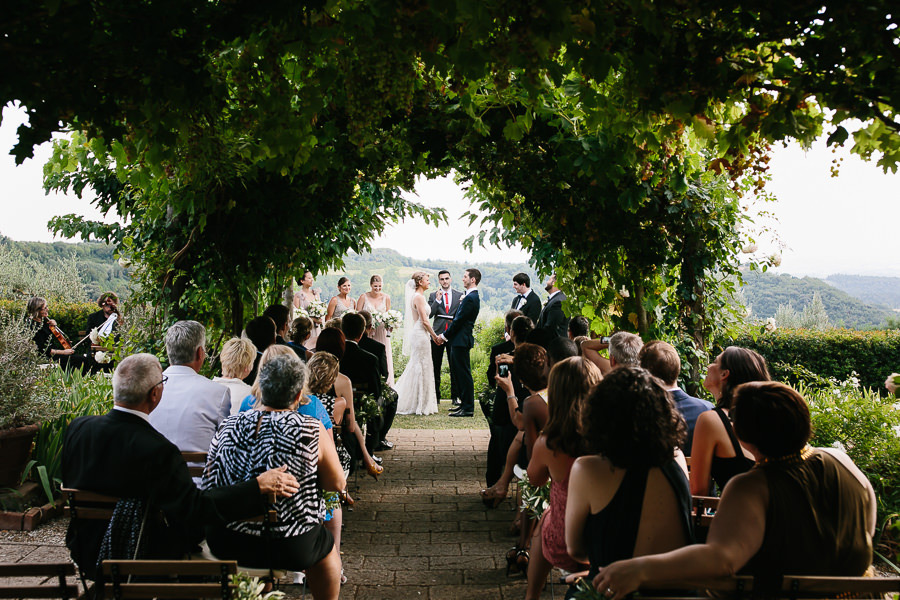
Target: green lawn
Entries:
(441, 420)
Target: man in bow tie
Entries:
(526, 301)
(443, 302)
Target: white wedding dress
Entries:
(415, 387)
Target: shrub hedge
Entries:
(832, 353)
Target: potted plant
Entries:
(24, 401)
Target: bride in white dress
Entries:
(415, 387)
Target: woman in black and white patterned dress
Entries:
(276, 435)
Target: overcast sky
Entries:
(849, 224)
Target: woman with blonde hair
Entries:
(415, 388)
(237, 359)
(376, 301)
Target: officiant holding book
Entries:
(443, 302)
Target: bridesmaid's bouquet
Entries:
(392, 319)
(316, 309)
(301, 312)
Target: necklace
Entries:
(788, 459)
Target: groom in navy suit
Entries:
(459, 335)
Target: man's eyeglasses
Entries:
(163, 382)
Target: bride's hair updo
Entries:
(418, 277)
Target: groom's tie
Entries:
(446, 301)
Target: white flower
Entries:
(853, 381)
(95, 336)
(624, 293)
(775, 260)
(102, 357)
(891, 382)
(896, 429)
(124, 262)
(839, 446)
(770, 325)
(749, 248)
(316, 309)
(301, 312)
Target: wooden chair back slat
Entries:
(195, 457)
(56, 585)
(83, 504)
(116, 573)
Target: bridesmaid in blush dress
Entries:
(377, 301)
(342, 303)
(302, 299)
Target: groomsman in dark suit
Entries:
(526, 301)
(460, 337)
(443, 302)
(552, 317)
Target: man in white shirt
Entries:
(192, 406)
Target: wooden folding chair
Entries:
(54, 582)
(117, 576)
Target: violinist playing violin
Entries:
(109, 304)
(46, 333)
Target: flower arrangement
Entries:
(770, 325)
(535, 500)
(251, 588)
(316, 309)
(301, 312)
(102, 357)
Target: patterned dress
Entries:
(340, 308)
(343, 455)
(250, 443)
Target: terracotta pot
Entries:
(15, 449)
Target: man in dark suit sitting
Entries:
(362, 369)
(662, 360)
(526, 301)
(120, 454)
(373, 346)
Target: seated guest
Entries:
(109, 304)
(362, 369)
(579, 326)
(630, 497)
(37, 320)
(662, 360)
(261, 331)
(301, 330)
(311, 407)
(554, 452)
(799, 511)
(277, 434)
(280, 315)
(530, 368)
(331, 341)
(502, 429)
(373, 346)
(715, 451)
(238, 356)
(120, 454)
(560, 349)
(623, 351)
(192, 406)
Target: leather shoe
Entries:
(455, 402)
(378, 460)
(385, 445)
(460, 413)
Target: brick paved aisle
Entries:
(421, 530)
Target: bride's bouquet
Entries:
(316, 309)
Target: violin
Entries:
(59, 335)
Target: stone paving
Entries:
(419, 532)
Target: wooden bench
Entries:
(117, 576)
(195, 470)
(792, 587)
(54, 585)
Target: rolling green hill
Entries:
(880, 291)
(764, 292)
